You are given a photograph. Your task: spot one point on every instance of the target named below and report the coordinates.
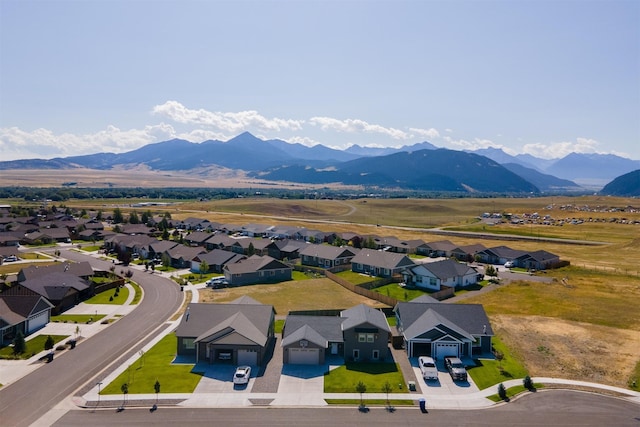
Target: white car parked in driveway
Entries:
(428, 368)
(242, 375)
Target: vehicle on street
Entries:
(242, 375)
(428, 368)
(456, 368)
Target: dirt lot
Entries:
(559, 348)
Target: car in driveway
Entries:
(242, 375)
(218, 282)
(456, 368)
(428, 368)
(509, 264)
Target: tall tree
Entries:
(117, 216)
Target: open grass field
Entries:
(310, 294)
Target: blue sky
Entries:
(539, 77)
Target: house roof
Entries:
(504, 252)
(328, 251)
(363, 314)
(17, 308)
(239, 322)
(219, 257)
(198, 236)
(79, 269)
(382, 259)
(55, 286)
(444, 269)
(430, 319)
(440, 245)
(160, 246)
(186, 253)
(318, 329)
(470, 318)
(539, 256)
(255, 263)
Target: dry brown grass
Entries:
(559, 348)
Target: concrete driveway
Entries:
(444, 386)
(219, 379)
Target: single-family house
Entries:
(438, 330)
(366, 334)
(307, 340)
(499, 255)
(434, 275)
(326, 256)
(22, 313)
(197, 238)
(257, 269)
(63, 290)
(80, 269)
(215, 259)
(182, 255)
(441, 248)
(219, 241)
(467, 253)
(156, 248)
(238, 333)
(287, 249)
(379, 263)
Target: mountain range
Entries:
(421, 166)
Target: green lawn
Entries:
(513, 391)
(278, 326)
(33, 346)
(374, 375)
(371, 402)
(355, 278)
(105, 297)
(487, 373)
(156, 365)
(77, 318)
(394, 290)
(138, 293)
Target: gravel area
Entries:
(268, 379)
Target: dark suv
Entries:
(456, 368)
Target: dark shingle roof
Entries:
(363, 314)
(471, 318)
(327, 327)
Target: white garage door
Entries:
(247, 357)
(38, 321)
(443, 350)
(304, 356)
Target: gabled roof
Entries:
(245, 299)
(382, 259)
(328, 251)
(187, 253)
(233, 323)
(255, 263)
(444, 269)
(470, 318)
(160, 246)
(539, 256)
(79, 269)
(219, 257)
(431, 319)
(198, 236)
(55, 286)
(317, 329)
(504, 252)
(363, 314)
(440, 245)
(17, 308)
(470, 249)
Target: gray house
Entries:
(22, 313)
(326, 256)
(257, 269)
(366, 334)
(306, 340)
(216, 260)
(379, 263)
(237, 333)
(438, 330)
(434, 275)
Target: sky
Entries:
(540, 77)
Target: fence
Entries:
(361, 290)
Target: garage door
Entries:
(38, 321)
(304, 356)
(443, 350)
(247, 357)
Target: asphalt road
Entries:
(545, 408)
(26, 400)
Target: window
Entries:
(375, 354)
(366, 337)
(188, 343)
(356, 354)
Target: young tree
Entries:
(361, 388)
(133, 218)
(19, 344)
(386, 388)
(124, 388)
(203, 268)
(117, 216)
(251, 250)
(156, 387)
(49, 343)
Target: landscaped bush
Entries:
(502, 392)
(528, 383)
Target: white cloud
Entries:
(234, 123)
(557, 150)
(356, 125)
(428, 133)
(473, 145)
(16, 143)
(309, 142)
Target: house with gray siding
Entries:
(257, 269)
(366, 334)
(326, 256)
(379, 263)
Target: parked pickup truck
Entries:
(456, 368)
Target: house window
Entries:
(433, 281)
(375, 354)
(188, 343)
(366, 337)
(356, 354)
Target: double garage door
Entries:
(304, 356)
(443, 349)
(38, 321)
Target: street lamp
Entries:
(99, 384)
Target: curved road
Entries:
(26, 400)
(544, 408)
